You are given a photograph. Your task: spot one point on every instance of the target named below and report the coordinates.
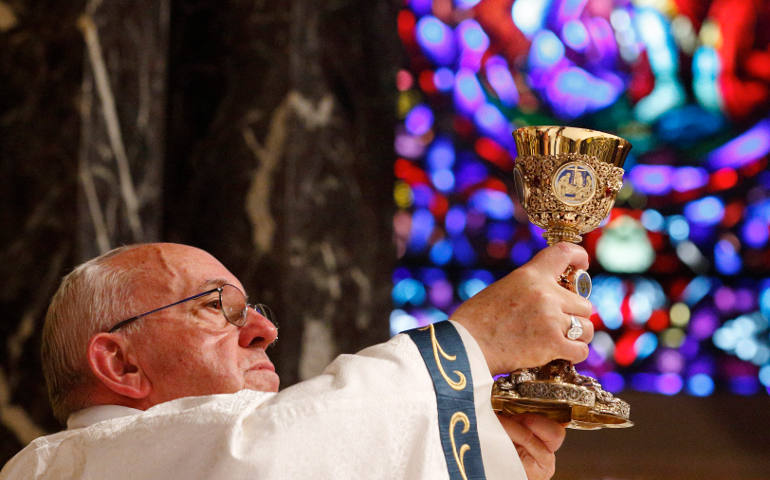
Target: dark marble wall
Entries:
(41, 65)
(260, 131)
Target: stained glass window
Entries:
(681, 266)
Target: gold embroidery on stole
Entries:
(458, 384)
(459, 458)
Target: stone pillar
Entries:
(287, 175)
(82, 132)
(122, 107)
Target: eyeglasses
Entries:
(232, 304)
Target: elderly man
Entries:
(158, 365)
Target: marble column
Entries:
(122, 126)
(40, 71)
(289, 161)
(82, 124)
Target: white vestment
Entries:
(372, 415)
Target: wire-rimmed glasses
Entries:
(232, 304)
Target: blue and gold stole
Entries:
(442, 349)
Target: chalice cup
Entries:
(566, 179)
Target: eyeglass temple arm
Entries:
(129, 320)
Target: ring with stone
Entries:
(575, 328)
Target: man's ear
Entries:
(113, 364)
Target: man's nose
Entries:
(258, 331)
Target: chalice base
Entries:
(575, 400)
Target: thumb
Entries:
(555, 259)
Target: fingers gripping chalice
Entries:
(566, 179)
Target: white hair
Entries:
(93, 297)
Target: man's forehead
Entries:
(176, 266)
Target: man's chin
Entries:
(262, 380)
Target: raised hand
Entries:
(521, 320)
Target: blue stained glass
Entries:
(607, 296)
(468, 174)
(432, 275)
(401, 320)
(422, 196)
(641, 309)
(444, 79)
(472, 36)
(463, 250)
(689, 178)
(764, 302)
(755, 233)
(422, 227)
(707, 210)
(653, 220)
(644, 382)
(421, 7)
(700, 385)
(529, 15)
(569, 9)
(746, 349)
(483, 275)
(575, 35)
(698, 288)
(493, 123)
(613, 382)
(547, 50)
(652, 179)
(706, 68)
(441, 154)
(409, 291)
(760, 209)
(420, 120)
(470, 288)
(400, 273)
(455, 221)
(678, 228)
(441, 252)
(645, 345)
(468, 93)
(436, 39)
(764, 375)
(749, 146)
(466, 3)
(501, 80)
(443, 179)
(521, 253)
(496, 205)
(688, 124)
(726, 258)
(500, 231)
(744, 385)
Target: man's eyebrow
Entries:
(213, 283)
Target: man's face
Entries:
(190, 349)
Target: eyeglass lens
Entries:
(234, 305)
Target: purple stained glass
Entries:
(703, 323)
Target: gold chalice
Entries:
(566, 179)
